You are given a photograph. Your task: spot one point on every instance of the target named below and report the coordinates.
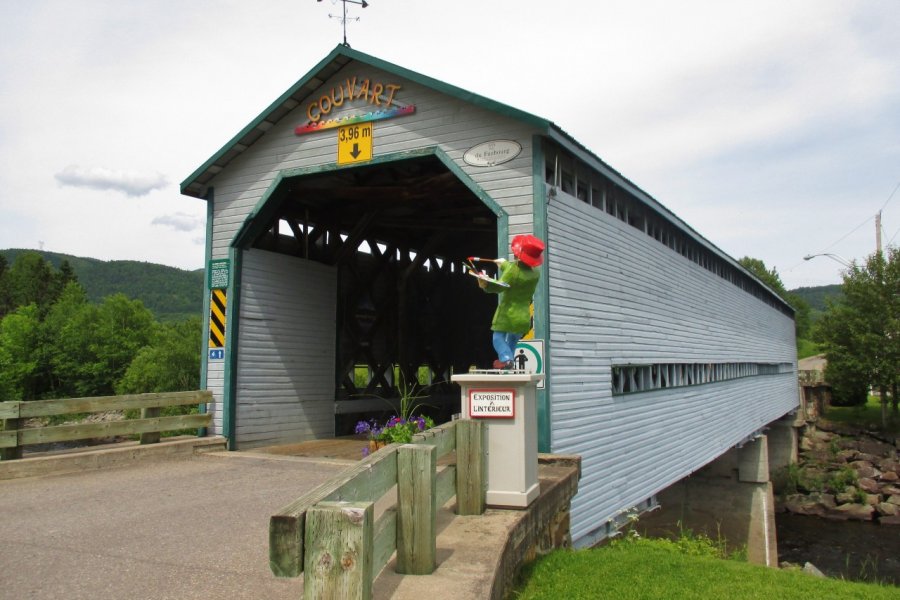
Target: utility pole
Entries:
(878, 232)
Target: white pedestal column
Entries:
(507, 403)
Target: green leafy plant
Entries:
(395, 431)
(839, 480)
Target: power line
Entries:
(896, 187)
(849, 234)
(889, 198)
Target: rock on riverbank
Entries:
(842, 476)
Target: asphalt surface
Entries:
(176, 529)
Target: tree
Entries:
(861, 332)
(96, 344)
(20, 354)
(5, 294)
(30, 279)
(62, 354)
(171, 363)
(771, 278)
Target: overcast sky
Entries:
(771, 127)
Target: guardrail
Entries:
(13, 436)
(331, 534)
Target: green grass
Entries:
(806, 348)
(867, 416)
(648, 569)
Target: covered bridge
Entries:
(338, 220)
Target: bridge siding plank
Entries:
(286, 363)
(619, 296)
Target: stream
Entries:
(852, 550)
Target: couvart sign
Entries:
(492, 404)
(380, 96)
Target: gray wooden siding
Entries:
(285, 384)
(215, 382)
(617, 296)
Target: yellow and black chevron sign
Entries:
(217, 302)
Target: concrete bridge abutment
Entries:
(729, 499)
(784, 441)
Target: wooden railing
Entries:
(331, 534)
(14, 436)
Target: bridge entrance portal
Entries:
(397, 234)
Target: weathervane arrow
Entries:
(343, 18)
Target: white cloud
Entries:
(180, 221)
(130, 183)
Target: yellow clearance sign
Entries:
(354, 143)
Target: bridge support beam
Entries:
(729, 499)
(784, 439)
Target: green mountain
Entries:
(171, 294)
(815, 296)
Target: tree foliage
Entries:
(861, 331)
(56, 343)
(171, 362)
(20, 354)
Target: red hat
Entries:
(528, 249)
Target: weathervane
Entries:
(343, 17)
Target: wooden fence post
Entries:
(9, 412)
(150, 437)
(416, 509)
(470, 467)
(339, 549)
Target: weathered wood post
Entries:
(470, 467)
(339, 549)
(150, 437)
(10, 448)
(416, 509)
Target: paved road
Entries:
(178, 529)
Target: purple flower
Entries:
(363, 427)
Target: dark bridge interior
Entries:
(397, 233)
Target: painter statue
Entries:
(515, 283)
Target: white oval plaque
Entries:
(492, 153)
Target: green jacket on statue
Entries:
(513, 314)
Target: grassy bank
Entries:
(867, 416)
(648, 569)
